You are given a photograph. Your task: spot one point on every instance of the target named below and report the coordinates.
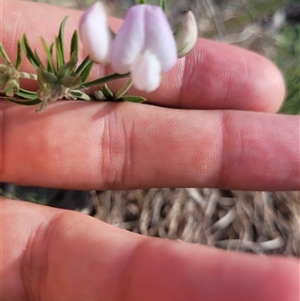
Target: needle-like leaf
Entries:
(4, 54)
(103, 80)
(108, 94)
(85, 64)
(40, 63)
(28, 52)
(74, 43)
(163, 4)
(19, 55)
(24, 103)
(79, 94)
(71, 81)
(59, 55)
(60, 44)
(27, 94)
(50, 63)
(132, 98)
(86, 72)
(51, 52)
(68, 68)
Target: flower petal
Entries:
(130, 40)
(159, 37)
(94, 33)
(146, 72)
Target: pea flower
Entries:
(94, 33)
(144, 46)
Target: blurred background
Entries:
(260, 222)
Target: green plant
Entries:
(289, 61)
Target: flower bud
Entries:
(187, 35)
(94, 33)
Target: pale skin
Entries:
(229, 137)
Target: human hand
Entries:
(219, 131)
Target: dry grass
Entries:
(260, 222)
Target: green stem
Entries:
(7, 68)
(28, 75)
(103, 80)
(124, 89)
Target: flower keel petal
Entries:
(146, 72)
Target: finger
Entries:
(50, 254)
(123, 146)
(213, 76)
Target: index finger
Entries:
(213, 76)
(92, 145)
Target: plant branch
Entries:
(103, 80)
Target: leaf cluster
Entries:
(58, 76)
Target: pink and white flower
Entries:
(144, 46)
